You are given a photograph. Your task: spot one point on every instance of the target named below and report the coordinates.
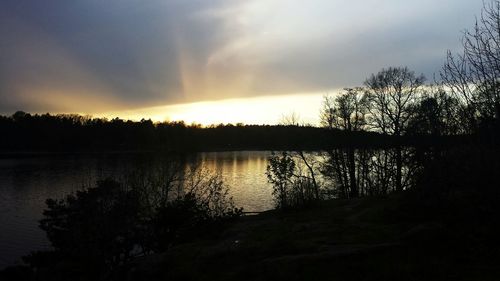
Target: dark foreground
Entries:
(386, 238)
(365, 239)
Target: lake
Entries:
(25, 184)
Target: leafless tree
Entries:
(392, 94)
(303, 159)
(346, 111)
(290, 119)
(474, 74)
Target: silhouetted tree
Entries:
(392, 94)
(436, 114)
(280, 172)
(93, 232)
(307, 160)
(74, 133)
(473, 75)
(347, 112)
(96, 232)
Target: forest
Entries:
(24, 132)
(400, 181)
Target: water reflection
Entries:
(26, 183)
(244, 172)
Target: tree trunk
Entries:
(399, 168)
(354, 192)
(311, 171)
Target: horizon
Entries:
(226, 111)
(223, 62)
(249, 139)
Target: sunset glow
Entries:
(249, 139)
(256, 110)
(211, 61)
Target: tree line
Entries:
(24, 132)
(392, 134)
(426, 123)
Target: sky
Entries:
(212, 61)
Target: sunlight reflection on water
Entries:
(26, 183)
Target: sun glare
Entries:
(255, 110)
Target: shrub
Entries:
(98, 230)
(290, 187)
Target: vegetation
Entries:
(424, 123)
(395, 104)
(473, 75)
(26, 133)
(375, 238)
(96, 233)
(291, 187)
(425, 158)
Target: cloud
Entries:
(129, 52)
(94, 56)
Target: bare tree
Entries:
(392, 94)
(290, 119)
(474, 75)
(303, 159)
(346, 112)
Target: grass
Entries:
(362, 239)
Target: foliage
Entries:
(280, 172)
(97, 231)
(24, 132)
(210, 193)
(291, 188)
(437, 114)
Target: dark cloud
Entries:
(127, 51)
(90, 56)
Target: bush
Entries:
(290, 187)
(97, 231)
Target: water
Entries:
(25, 184)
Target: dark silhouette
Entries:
(391, 94)
(473, 75)
(280, 172)
(98, 232)
(413, 169)
(346, 112)
(26, 133)
(305, 170)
